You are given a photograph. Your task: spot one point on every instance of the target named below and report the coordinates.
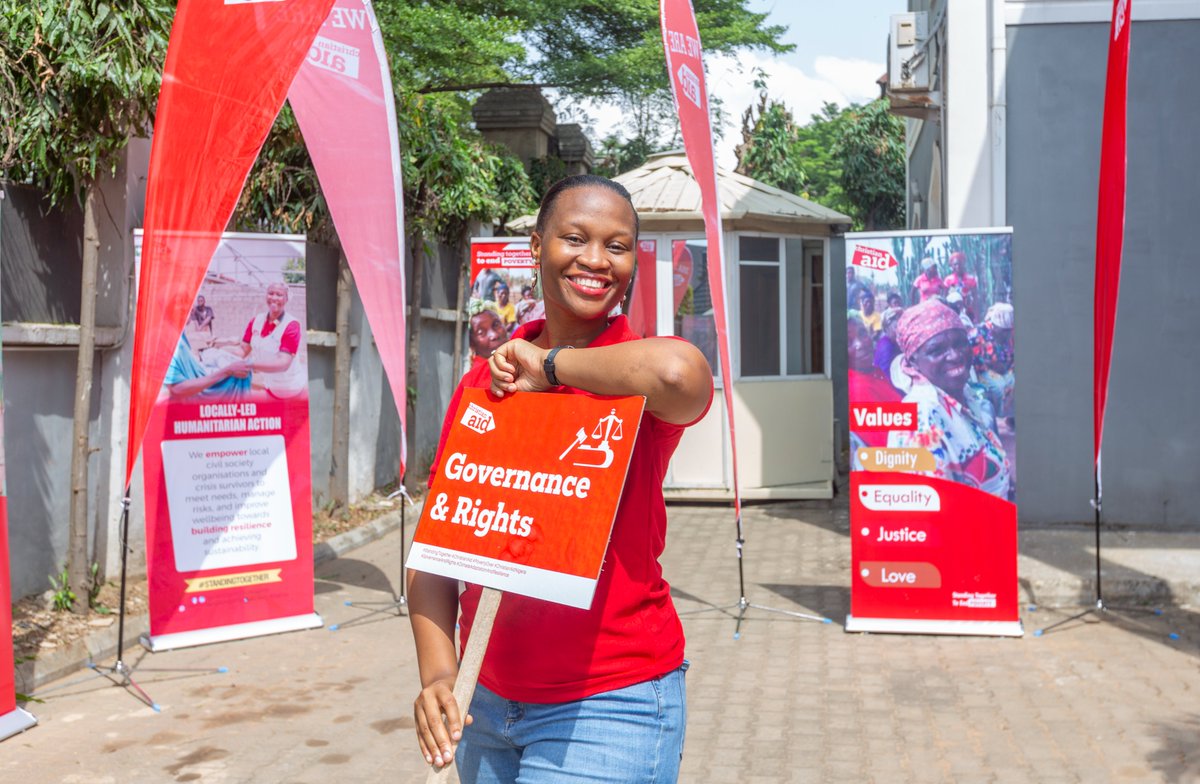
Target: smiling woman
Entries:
(598, 695)
(955, 422)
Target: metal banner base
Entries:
(236, 631)
(744, 605)
(399, 604)
(15, 721)
(923, 626)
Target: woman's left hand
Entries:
(516, 366)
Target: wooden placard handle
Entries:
(468, 669)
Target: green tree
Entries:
(815, 143)
(586, 48)
(78, 79)
(871, 150)
(769, 149)
(850, 160)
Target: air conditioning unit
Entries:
(908, 55)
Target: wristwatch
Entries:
(548, 365)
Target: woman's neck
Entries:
(578, 334)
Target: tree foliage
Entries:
(451, 176)
(78, 79)
(850, 160)
(444, 52)
(871, 150)
(815, 144)
(768, 151)
(588, 48)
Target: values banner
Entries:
(504, 292)
(1110, 212)
(343, 101)
(931, 382)
(12, 718)
(226, 462)
(228, 68)
(534, 520)
(643, 305)
(685, 67)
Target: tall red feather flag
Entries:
(343, 101)
(228, 69)
(685, 67)
(1110, 214)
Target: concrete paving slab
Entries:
(790, 700)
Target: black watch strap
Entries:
(548, 365)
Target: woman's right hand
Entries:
(517, 366)
(434, 735)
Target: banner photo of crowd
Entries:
(930, 321)
(504, 292)
(933, 514)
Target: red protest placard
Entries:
(526, 492)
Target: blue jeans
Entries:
(623, 736)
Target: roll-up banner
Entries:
(12, 718)
(504, 292)
(685, 69)
(343, 101)
(226, 456)
(933, 471)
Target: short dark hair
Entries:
(582, 181)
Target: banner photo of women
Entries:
(226, 456)
(504, 292)
(933, 463)
(12, 718)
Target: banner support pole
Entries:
(398, 603)
(120, 673)
(1096, 505)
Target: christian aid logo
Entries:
(478, 419)
(330, 55)
(873, 258)
(879, 417)
(689, 83)
(596, 451)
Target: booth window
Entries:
(781, 306)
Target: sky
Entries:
(840, 52)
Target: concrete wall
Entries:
(1152, 441)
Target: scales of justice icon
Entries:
(608, 428)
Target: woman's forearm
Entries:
(276, 364)
(194, 386)
(673, 375)
(433, 611)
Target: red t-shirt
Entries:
(967, 283)
(929, 287)
(544, 652)
(289, 342)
